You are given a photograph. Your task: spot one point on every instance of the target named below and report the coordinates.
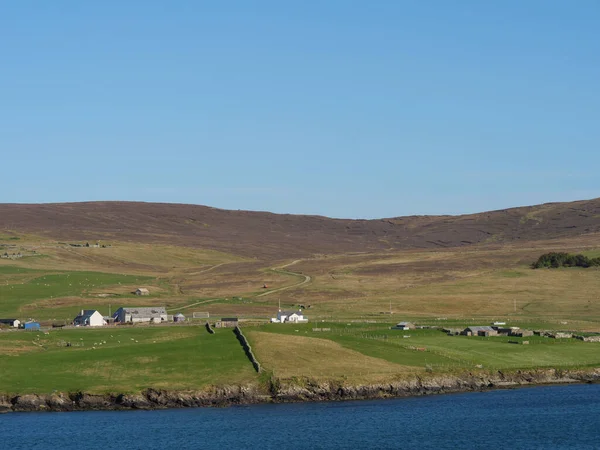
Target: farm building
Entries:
(521, 333)
(178, 318)
(89, 318)
(142, 291)
(227, 322)
(31, 325)
(154, 314)
(404, 326)
(290, 317)
(480, 331)
(14, 323)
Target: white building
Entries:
(289, 317)
(10, 322)
(154, 314)
(89, 318)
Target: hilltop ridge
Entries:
(269, 235)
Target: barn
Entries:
(153, 314)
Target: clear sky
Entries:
(342, 108)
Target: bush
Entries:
(554, 260)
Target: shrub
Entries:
(554, 260)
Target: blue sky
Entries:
(333, 107)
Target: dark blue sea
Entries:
(556, 417)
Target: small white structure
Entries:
(14, 323)
(142, 291)
(156, 314)
(178, 318)
(289, 317)
(89, 318)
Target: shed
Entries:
(480, 331)
(178, 318)
(142, 291)
(404, 326)
(227, 322)
(31, 325)
(14, 323)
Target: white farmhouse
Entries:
(89, 318)
(289, 317)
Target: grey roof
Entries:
(403, 324)
(179, 315)
(480, 328)
(144, 311)
(229, 319)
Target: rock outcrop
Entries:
(281, 391)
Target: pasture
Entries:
(120, 359)
(410, 352)
(356, 296)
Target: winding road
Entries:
(306, 280)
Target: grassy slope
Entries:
(132, 359)
(442, 353)
(461, 286)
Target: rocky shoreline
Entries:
(280, 391)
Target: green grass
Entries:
(133, 358)
(16, 294)
(450, 353)
(11, 270)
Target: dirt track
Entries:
(306, 280)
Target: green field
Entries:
(120, 359)
(36, 293)
(433, 350)
(133, 358)
(357, 296)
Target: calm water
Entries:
(533, 418)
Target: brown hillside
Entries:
(274, 236)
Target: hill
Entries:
(277, 236)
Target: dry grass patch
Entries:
(145, 359)
(16, 348)
(299, 356)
